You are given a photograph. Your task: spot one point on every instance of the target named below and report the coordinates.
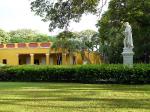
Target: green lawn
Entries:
(68, 97)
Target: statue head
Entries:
(126, 24)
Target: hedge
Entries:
(138, 74)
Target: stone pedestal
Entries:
(128, 56)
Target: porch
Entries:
(46, 59)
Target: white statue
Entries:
(128, 41)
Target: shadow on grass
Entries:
(75, 86)
(131, 88)
(93, 87)
(100, 103)
(43, 96)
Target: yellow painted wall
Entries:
(11, 55)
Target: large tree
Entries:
(4, 36)
(72, 42)
(61, 12)
(22, 35)
(89, 38)
(137, 13)
(66, 40)
(28, 35)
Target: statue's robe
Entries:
(128, 34)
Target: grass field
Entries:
(68, 97)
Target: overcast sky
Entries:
(16, 14)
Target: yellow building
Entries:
(42, 54)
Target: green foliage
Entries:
(71, 42)
(41, 38)
(65, 35)
(136, 12)
(68, 42)
(84, 74)
(28, 35)
(22, 35)
(4, 36)
(88, 38)
(61, 12)
(86, 35)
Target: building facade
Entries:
(42, 54)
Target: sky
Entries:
(16, 14)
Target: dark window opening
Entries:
(74, 60)
(36, 61)
(59, 60)
(19, 61)
(4, 61)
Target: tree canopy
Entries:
(72, 42)
(136, 12)
(24, 35)
(4, 36)
(61, 12)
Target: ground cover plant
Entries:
(69, 97)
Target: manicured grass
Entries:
(68, 97)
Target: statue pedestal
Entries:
(128, 56)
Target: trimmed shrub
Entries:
(138, 74)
